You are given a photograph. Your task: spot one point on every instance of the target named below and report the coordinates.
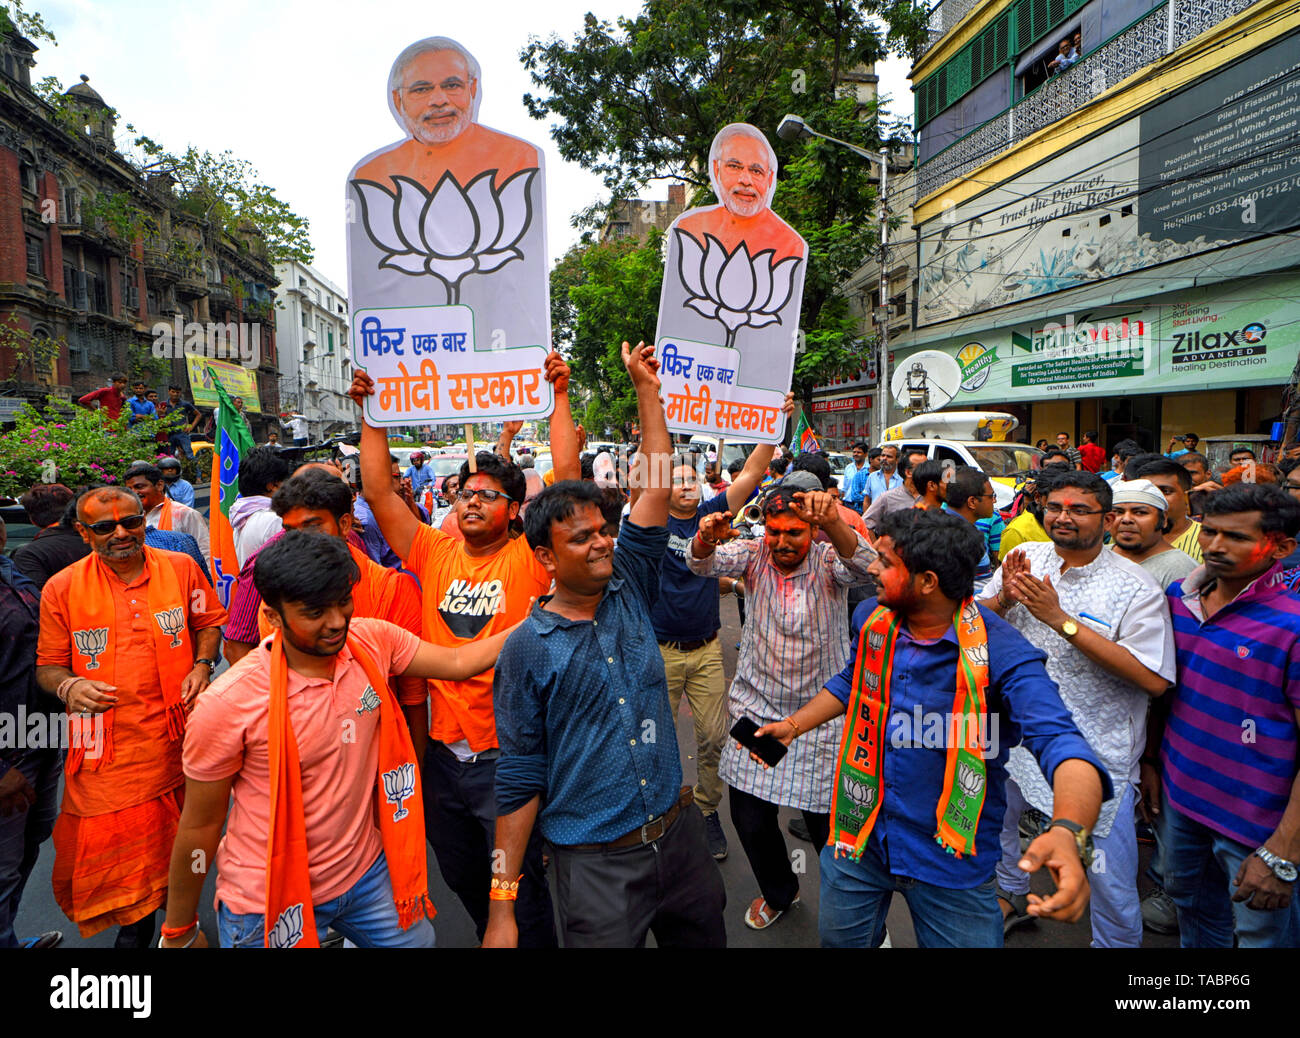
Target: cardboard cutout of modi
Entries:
(729, 309)
(447, 272)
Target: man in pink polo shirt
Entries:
(336, 713)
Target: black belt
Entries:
(699, 643)
(650, 832)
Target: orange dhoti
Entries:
(111, 870)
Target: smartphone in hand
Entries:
(768, 748)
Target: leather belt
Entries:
(650, 832)
(699, 643)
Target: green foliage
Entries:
(225, 192)
(14, 19)
(86, 446)
(121, 216)
(37, 350)
(604, 293)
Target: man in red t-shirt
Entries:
(111, 398)
(1091, 456)
(472, 589)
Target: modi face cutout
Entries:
(456, 199)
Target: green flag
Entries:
(233, 440)
(803, 438)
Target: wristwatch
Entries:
(1069, 629)
(1284, 870)
(212, 664)
(1082, 837)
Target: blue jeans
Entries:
(1114, 905)
(22, 833)
(1200, 873)
(180, 444)
(855, 897)
(365, 915)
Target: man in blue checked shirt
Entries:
(886, 477)
(588, 746)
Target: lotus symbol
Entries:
(287, 930)
(978, 654)
(91, 642)
(172, 622)
(399, 786)
(875, 639)
(449, 232)
(970, 779)
(734, 288)
(860, 792)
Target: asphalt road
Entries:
(796, 929)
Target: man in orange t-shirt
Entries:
(122, 793)
(472, 589)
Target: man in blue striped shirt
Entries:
(1228, 759)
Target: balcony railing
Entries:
(1151, 37)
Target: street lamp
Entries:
(794, 128)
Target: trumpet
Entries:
(752, 513)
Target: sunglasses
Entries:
(129, 522)
(487, 495)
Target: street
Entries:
(796, 929)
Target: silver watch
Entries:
(1284, 870)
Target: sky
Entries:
(298, 87)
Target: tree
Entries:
(26, 23)
(641, 100)
(603, 293)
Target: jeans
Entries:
(855, 897)
(365, 915)
(699, 674)
(460, 818)
(180, 444)
(1114, 905)
(22, 833)
(671, 887)
(756, 824)
(1200, 875)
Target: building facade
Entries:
(97, 258)
(315, 352)
(1105, 212)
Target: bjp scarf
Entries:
(290, 920)
(166, 516)
(372, 595)
(859, 788)
(93, 616)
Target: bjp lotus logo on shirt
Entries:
(91, 642)
(859, 792)
(369, 701)
(172, 622)
(970, 779)
(399, 786)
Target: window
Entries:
(69, 212)
(35, 256)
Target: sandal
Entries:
(760, 915)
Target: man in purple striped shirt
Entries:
(1229, 753)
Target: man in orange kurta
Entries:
(435, 94)
(128, 639)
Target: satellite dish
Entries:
(925, 381)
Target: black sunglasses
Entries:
(129, 522)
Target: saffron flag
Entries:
(803, 438)
(233, 440)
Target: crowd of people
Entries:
(953, 698)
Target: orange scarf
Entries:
(290, 919)
(93, 616)
(372, 595)
(165, 517)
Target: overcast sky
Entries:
(298, 87)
